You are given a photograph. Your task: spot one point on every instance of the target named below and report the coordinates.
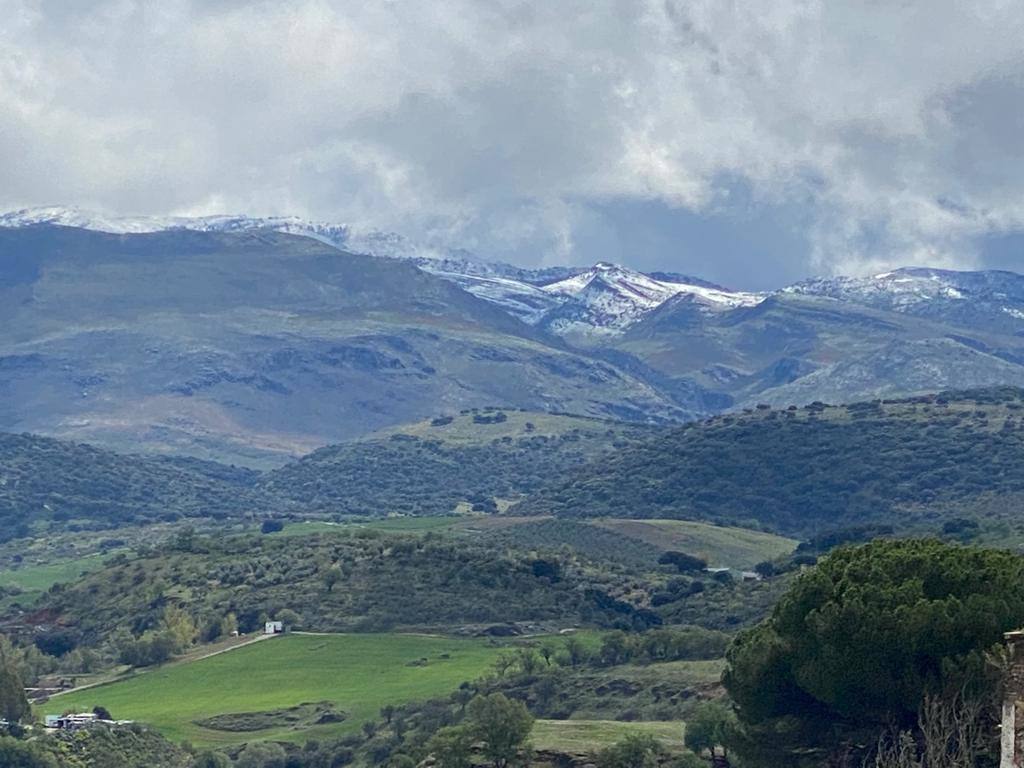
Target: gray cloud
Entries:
(887, 133)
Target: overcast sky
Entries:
(751, 143)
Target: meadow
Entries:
(357, 673)
(720, 546)
(27, 582)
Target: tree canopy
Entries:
(503, 725)
(857, 643)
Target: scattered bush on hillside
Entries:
(389, 580)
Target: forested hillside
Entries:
(474, 459)
(470, 460)
(908, 463)
(45, 481)
(335, 582)
(921, 464)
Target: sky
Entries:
(748, 143)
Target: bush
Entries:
(19, 754)
(261, 755)
(272, 526)
(683, 562)
(634, 751)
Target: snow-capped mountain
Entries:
(603, 299)
(362, 240)
(633, 346)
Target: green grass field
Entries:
(588, 736)
(33, 580)
(359, 673)
(720, 546)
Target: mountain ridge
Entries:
(252, 346)
(227, 338)
(533, 295)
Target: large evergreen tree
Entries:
(856, 644)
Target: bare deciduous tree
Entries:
(951, 733)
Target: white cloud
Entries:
(492, 123)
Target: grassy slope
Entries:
(360, 673)
(588, 736)
(719, 545)
(463, 430)
(36, 579)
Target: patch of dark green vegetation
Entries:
(297, 717)
(891, 648)
(908, 463)
(54, 485)
(133, 746)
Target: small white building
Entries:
(72, 722)
(274, 628)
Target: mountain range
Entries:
(254, 340)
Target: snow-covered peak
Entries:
(910, 287)
(646, 290)
(901, 288)
(607, 298)
(78, 217)
(350, 237)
